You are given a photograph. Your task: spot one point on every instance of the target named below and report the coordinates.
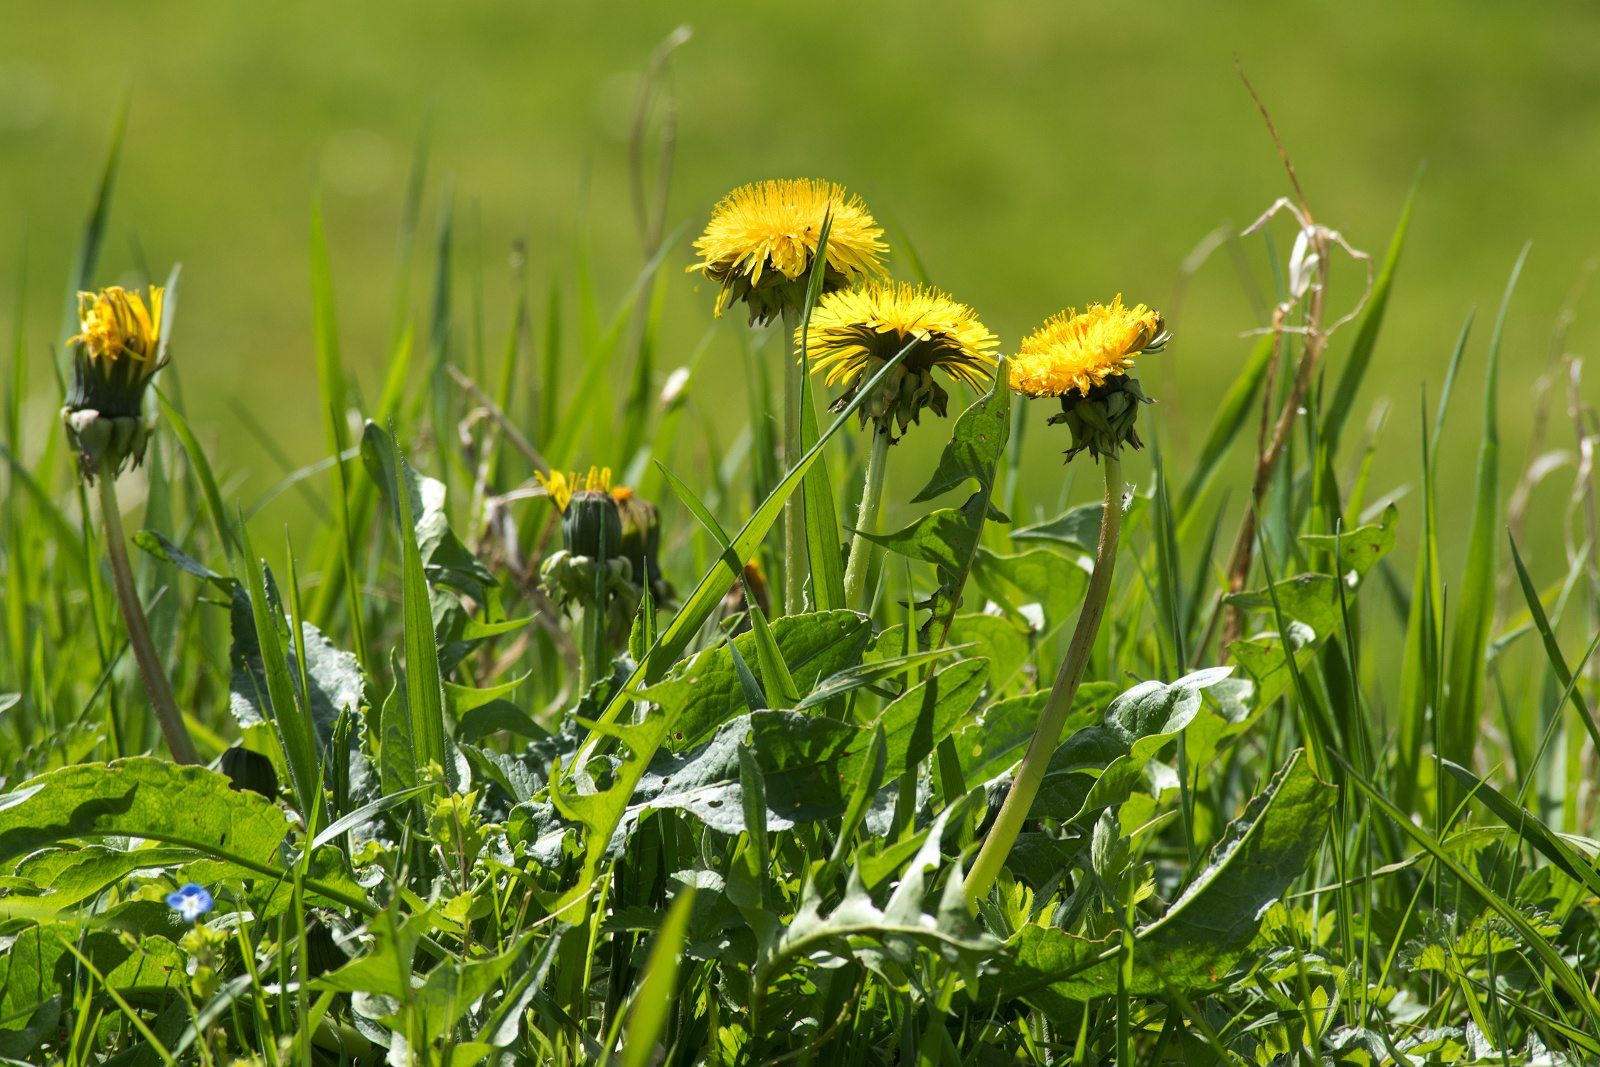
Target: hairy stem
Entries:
(1030, 774)
(156, 685)
(855, 572)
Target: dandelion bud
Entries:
(641, 540)
(114, 355)
(1083, 359)
(591, 525)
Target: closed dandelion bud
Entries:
(591, 525)
(852, 334)
(114, 355)
(1083, 359)
(762, 240)
(641, 540)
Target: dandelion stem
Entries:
(1030, 774)
(144, 648)
(794, 519)
(855, 572)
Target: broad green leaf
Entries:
(144, 797)
(67, 876)
(993, 744)
(1137, 724)
(1079, 527)
(1208, 926)
(945, 537)
(977, 442)
(1039, 576)
(921, 717)
(795, 755)
(1359, 549)
(887, 936)
(876, 671)
(1261, 656)
(1310, 603)
(335, 678)
(813, 646)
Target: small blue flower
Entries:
(192, 901)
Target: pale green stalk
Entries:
(855, 573)
(1030, 774)
(144, 648)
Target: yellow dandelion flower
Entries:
(116, 324)
(762, 239)
(561, 488)
(1075, 352)
(854, 331)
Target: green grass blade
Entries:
(1552, 648)
(823, 541)
(653, 1000)
(94, 228)
(331, 384)
(1231, 419)
(1475, 606)
(1548, 954)
(1355, 368)
(1528, 827)
(292, 722)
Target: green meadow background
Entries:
(1035, 154)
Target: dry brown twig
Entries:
(1309, 268)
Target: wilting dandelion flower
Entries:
(1084, 359)
(854, 332)
(192, 901)
(116, 352)
(762, 240)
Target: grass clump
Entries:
(501, 764)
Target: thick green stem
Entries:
(794, 519)
(855, 572)
(1030, 775)
(144, 647)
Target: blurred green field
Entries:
(1036, 154)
